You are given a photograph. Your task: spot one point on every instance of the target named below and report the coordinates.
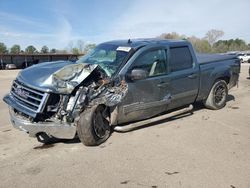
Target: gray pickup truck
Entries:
(119, 85)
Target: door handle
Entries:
(192, 76)
(163, 84)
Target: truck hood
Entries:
(42, 76)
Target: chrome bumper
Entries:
(58, 130)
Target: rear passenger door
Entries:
(184, 76)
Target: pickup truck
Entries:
(119, 85)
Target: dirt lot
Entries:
(206, 149)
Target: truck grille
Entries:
(29, 98)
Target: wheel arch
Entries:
(225, 78)
(220, 74)
(208, 82)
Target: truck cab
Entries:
(152, 75)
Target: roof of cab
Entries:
(138, 43)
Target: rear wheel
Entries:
(93, 127)
(217, 96)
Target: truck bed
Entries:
(209, 58)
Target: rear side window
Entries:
(181, 59)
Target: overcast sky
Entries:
(57, 22)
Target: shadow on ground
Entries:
(50, 142)
(197, 106)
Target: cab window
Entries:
(180, 59)
(153, 62)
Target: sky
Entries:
(56, 23)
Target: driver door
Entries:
(149, 96)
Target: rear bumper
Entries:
(56, 129)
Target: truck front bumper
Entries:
(56, 129)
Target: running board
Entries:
(135, 125)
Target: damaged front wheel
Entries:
(93, 127)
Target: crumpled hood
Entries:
(37, 75)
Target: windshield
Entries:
(107, 56)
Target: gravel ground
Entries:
(205, 149)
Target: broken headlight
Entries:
(63, 78)
(67, 78)
(68, 72)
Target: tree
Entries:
(230, 45)
(80, 45)
(44, 50)
(3, 48)
(53, 51)
(200, 45)
(75, 50)
(89, 47)
(213, 35)
(172, 35)
(221, 46)
(15, 49)
(210, 43)
(242, 45)
(30, 49)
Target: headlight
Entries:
(67, 78)
(68, 72)
(63, 78)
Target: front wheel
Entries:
(217, 96)
(93, 127)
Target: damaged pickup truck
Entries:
(119, 84)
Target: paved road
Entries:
(206, 149)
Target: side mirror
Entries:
(138, 74)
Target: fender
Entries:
(209, 76)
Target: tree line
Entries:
(16, 49)
(210, 43)
(79, 48)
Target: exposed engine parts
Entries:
(96, 89)
(112, 95)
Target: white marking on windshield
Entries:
(124, 48)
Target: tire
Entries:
(93, 127)
(217, 96)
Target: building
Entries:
(24, 60)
